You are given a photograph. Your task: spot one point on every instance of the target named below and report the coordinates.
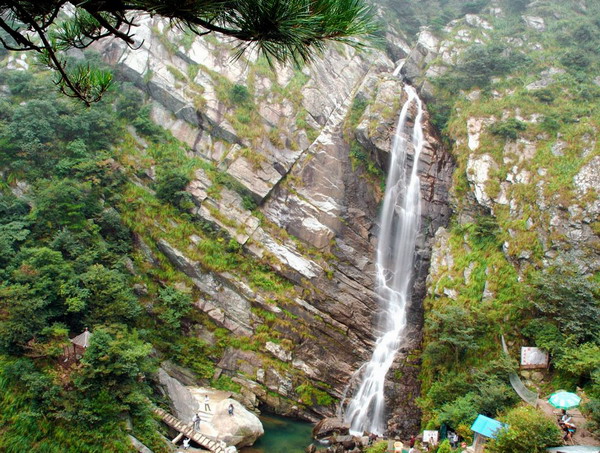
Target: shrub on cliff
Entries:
(508, 129)
(174, 305)
(170, 187)
(480, 63)
(570, 300)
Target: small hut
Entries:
(484, 429)
(78, 345)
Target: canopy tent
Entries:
(485, 428)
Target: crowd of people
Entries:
(421, 444)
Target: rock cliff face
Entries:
(505, 177)
(286, 139)
(524, 196)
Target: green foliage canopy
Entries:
(454, 328)
(571, 300)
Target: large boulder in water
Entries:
(328, 427)
(240, 429)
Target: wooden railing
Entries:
(213, 445)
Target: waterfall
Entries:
(395, 251)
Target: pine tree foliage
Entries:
(282, 30)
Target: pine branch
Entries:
(18, 37)
(282, 30)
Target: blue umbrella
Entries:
(564, 400)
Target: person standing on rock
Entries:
(196, 422)
(206, 403)
(230, 409)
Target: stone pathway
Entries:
(582, 436)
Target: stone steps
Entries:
(205, 416)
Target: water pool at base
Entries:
(282, 435)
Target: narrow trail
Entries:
(582, 436)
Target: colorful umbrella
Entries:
(564, 400)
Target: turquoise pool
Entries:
(282, 435)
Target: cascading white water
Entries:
(395, 251)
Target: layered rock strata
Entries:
(315, 223)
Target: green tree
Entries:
(175, 305)
(283, 30)
(145, 126)
(528, 430)
(461, 411)
(130, 102)
(104, 295)
(115, 232)
(116, 356)
(11, 234)
(22, 317)
(452, 327)
(479, 63)
(170, 187)
(115, 366)
(570, 299)
(64, 203)
(34, 297)
(239, 94)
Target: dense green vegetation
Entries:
(528, 430)
(78, 188)
(500, 283)
(66, 254)
(63, 266)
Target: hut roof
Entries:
(82, 339)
